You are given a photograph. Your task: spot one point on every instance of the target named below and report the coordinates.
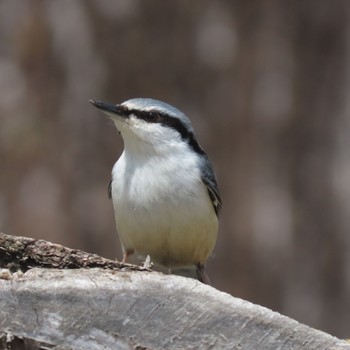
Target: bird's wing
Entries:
(110, 189)
(208, 178)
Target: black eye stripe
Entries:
(171, 122)
(186, 135)
(153, 117)
(150, 117)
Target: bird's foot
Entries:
(148, 264)
(126, 254)
(202, 275)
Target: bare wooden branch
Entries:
(23, 253)
(103, 308)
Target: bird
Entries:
(163, 188)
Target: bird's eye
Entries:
(152, 117)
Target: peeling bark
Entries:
(23, 253)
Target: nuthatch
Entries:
(164, 191)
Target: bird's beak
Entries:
(112, 111)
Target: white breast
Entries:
(163, 209)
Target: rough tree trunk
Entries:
(56, 297)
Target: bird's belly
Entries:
(175, 230)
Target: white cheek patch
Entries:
(142, 128)
(160, 137)
(136, 122)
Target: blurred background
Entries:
(267, 87)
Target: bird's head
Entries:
(148, 123)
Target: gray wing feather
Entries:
(209, 179)
(110, 189)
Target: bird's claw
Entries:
(147, 265)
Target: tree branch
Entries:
(113, 306)
(23, 253)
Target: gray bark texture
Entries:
(83, 301)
